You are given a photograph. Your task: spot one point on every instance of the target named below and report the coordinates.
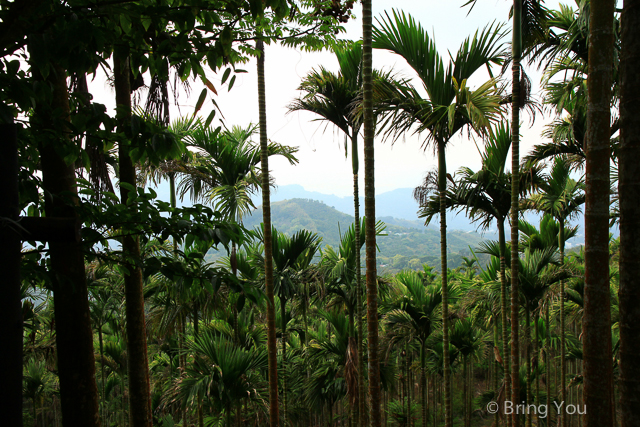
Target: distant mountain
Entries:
(397, 203)
(394, 206)
(397, 207)
(407, 244)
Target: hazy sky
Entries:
(323, 166)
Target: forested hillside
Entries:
(400, 247)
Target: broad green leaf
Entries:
(125, 23)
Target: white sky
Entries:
(323, 166)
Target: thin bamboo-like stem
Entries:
(268, 259)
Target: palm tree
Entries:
(485, 196)
(451, 106)
(36, 383)
(536, 277)
(292, 256)
(268, 256)
(465, 337)
(224, 172)
(340, 271)
(330, 354)
(561, 197)
(546, 237)
(223, 168)
(222, 373)
(413, 312)
(333, 97)
(102, 304)
(370, 214)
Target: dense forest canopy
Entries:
(121, 307)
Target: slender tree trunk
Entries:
(597, 316)
(547, 366)
(361, 418)
(563, 345)
(629, 190)
(435, 401)
(10, 304)
(370, 214)
(464, 390)
(182, 360)
(536, 355)
(181, 318)
(268, 256)
(442, 188)
(527, 334)
(196, 334)
(504, 315)
(100, 342)
(515, 191)
(138, 366)
(423, 385)
(74, 337)
(283, 309)
(409, 383)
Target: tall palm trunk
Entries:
(536, 353)
(268, 255)
(370, 214)
(516, 46)
(283, 319)
(492, 361)
(423, 384)
(74, 337)
(442, 188)
(138, 367)
(503, 310)
(597, 309)
(547, 366)
(527, 334)
(104, 399)
(464, 390)
(181, 357)
(360, 336)
(563, 348)
(196, 334)
(629, 175)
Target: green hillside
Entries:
(401, 247)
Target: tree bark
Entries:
(10, 303)
(597, 316)
(442, 188)
(268, 256)
(515, 191)
(361, 419)
(504, 315)
(138, 366)
(370, 214)
(74, 337)
(563, 345)
(629, 191)
(283, 339)
(527, 343)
